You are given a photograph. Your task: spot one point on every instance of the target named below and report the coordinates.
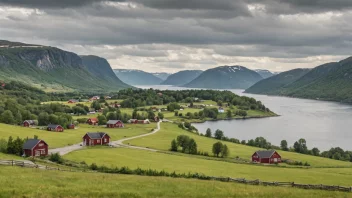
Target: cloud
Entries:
(170, 35)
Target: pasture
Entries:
(41, 183)
(73, 136)
(162, 141)
(132, 158)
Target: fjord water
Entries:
(323, 124)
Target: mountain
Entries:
(264, 73)
(137, 77)
(274, 84)
(53, 69)
(101, 69)
(162, 75)
(226, 77)
(330, 81)
(182, 77)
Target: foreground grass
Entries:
(119, 157)
(169, 131)
(40, 183)
(73, 136)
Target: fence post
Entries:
(350, 189)
(12, 162)
(293, 184)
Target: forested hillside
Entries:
(50, 69)
(182, 77)
(331, 81)
(137, 77)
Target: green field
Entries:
(162, 141)
(73, 136)
(132, 158)
(40, 184)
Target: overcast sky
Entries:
(173, 35)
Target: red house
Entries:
(267, 157)
(133, 121)
(55, 127)
(28, 123)
(72, 101)
(35, 148)
(114, 124)
(71, 126)
(92, 121)
(98, 138)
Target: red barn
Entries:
(114, 124)
(98, 138)
(35, 148)
(92, 121)
(55, 127)
(71, 126)
(28, 123)
(133, 121)
(267, 157)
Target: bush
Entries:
(93, 166)
(82, 120)
(56, 157)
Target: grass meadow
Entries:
(132, 158)
(52, 184)
(73, 136)
(162, 141)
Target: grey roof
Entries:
(31, 143)
(30, 121)
(265, 154)
(113, 121)
(96, 135)
(53, 126)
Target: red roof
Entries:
(94, 119)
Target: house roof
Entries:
(96, 135)
(113, 121)
(53, 126)
(265, 154)
(29, 144)
(94, 119)
(29, 121)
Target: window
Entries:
(41, 144)
(105, 140)
(42, 152)
(98, 141)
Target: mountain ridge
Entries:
(137, 77)
(182, 77)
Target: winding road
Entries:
(118, 143)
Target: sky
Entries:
(173, 35)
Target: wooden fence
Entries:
(222, 179)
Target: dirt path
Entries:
(66, 150)
(119, 143)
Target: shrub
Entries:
(93, 166)
(56, 157)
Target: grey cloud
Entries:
(52, 3)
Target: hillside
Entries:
(182, 77)
(274, 84)
(51, 69)
(137, 77)
(226, 77)
(162, 75)
(330, 81)
(264, 73)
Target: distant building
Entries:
(95, 98)
(55, 128)
(35, 148)
(72, 101)
(221, 110)
(97, 138)
(267, 157)
(71, 126)
(92, 121)
(28, 123)
(114, 124)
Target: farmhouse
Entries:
(28, 123)
(71, 126)
(92, 121)
(72, 101)
(95, 98)
(55, 127)
(221, 110)
(114, 124)
(268, 157)
(98, 138)
(35, 148)
(133, 121)
(146, 121)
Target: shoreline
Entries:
(243, 118)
